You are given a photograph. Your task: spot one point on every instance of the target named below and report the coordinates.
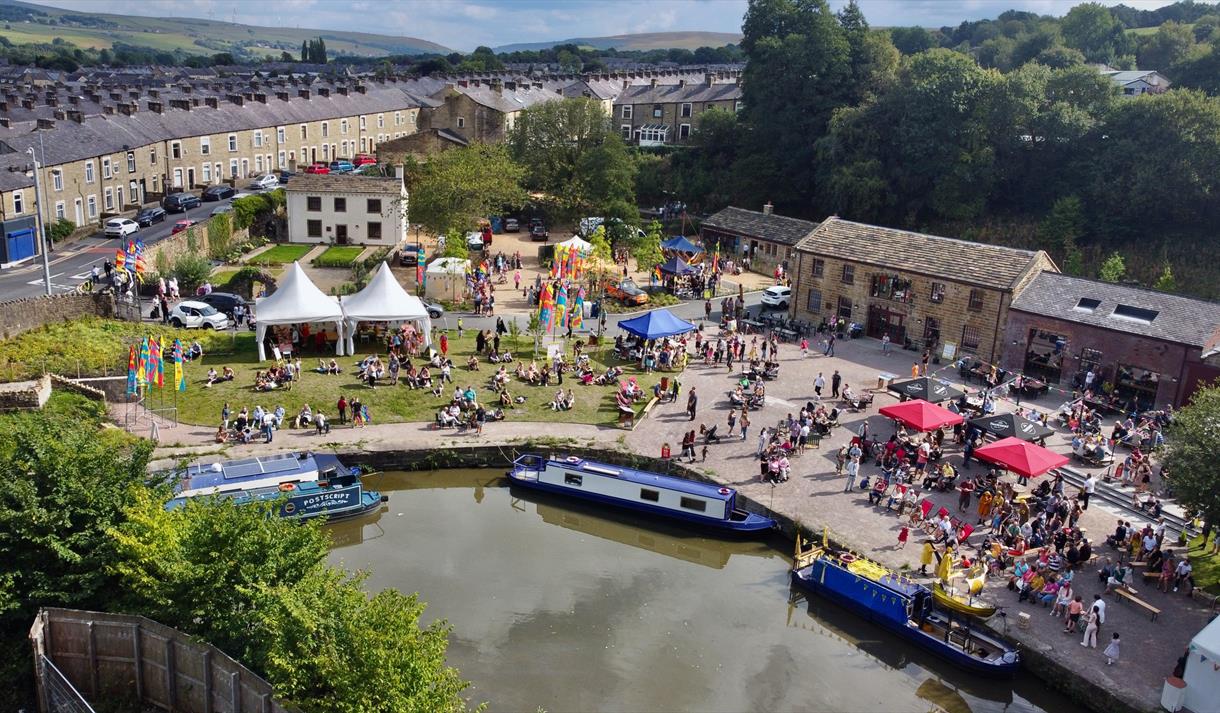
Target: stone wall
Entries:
(25, 395)
(78, 387)
(19, 316)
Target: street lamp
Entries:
(42, 236)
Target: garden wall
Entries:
(25, 395)
(19, 316)
(180, 244)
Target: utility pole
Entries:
(42, 236)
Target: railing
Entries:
(59, 695)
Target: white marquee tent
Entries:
(297, 301)
(583, 246)
(445, 278)
(1203, 669)
(384, 300)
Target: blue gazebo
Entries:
(676, 266)
(656, 324)
(679, 244)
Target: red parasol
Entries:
(921, 415)
(1020, 456)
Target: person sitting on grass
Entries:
(213, 377)
(195, 352)
(226, 374)
(304, 417)
(322, 367)
(222, 435)
(557, 403)
(472, 363)
(506, 399)
(506, 357)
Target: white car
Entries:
(121, 227)
(777, 296)
(197, 315)
(264, 182)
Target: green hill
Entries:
(28, 22)
(642, 41)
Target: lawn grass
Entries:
(1206, 566)
(338, 256)
(387, 404)
(281, 254)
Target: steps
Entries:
(1117, 498)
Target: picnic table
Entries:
(752, 325)
(786, 334)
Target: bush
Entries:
(220, 234)
(192, 270)
(60, 230)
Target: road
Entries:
(70, 265)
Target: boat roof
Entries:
(285, 465)
(643, 477)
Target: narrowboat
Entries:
(310, 485)
(903, 606)
(679, 499)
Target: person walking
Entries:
(903, 533)
(224, 415)
(830, 345)
(691, 402)
(732, 421)
(1090, 630)
(835, 382)
(745, 423)
(926, 557)
(885, 344)
(1086, 491)
(342, 406)
(818, 383)
(459, 325)
(164, 303)
(1111, 651)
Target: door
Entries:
(341, 234)
(882, 321)
(80, 215)
(190, 177)
(118, 197)
(177, 178)
(20, 244)
(137, 192)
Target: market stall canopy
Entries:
(384, 300)
(656, 324)
(926, 388)
(1008, 424)
(679, 244)
(921, 415)
(1020, 457)
(579, 243)
(1202, 675)
(676, 266)
(297, 301)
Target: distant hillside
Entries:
(28, 22)
(643, 41)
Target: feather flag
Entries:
(544, 307)
(176, 355)
(157, 376)
(578, 310)
(142, 363)
(131, 370)
(656, 273)
(120, 259)
(561, 306)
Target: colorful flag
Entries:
(157, 373)
(176, 355)
(544, 307)
(120, 258)
(561, 306)
(578, 310)
(656, 273)
(131, 370)
(142, 363)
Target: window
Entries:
(626, 111)
(684, 131)
(657, 111)
(60, 212)
(18, 202)
(325, 129)
(381, 121)
(652, 496)
(106, 172)
(152, 157)
(970, 337)
(1087, 305)
(412, 117)
(313, 203)
(343, 126)
(232, 142)
(931, 332)
(325, 151)
(258, 139)
(283, 160)
(91, 202)
(686, 111)
(313, 228)
(845, 308)
(1134, 314)
(461, 122)
(849, 274)
(572, 479)
(398, 118)
(819, 267)
(205, 145)
(373, 206)
(626, 131)
(938, 292)
(131, 161)
(280, 136)
(693, 504)
(207, 173)
(375, 230)
(304, 132)
(814, 303)
(340, 205)
(362, 123)
(258, 164)
(57, 180)
(737, 105)
(108, 199)
(175, 150)
(976, 300)
(232, 168)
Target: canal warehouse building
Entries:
(767, 239)
(1154, 347)
(952, 296)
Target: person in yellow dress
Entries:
(926, 557)
(984, 507)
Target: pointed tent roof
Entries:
(579, 243)
(676, 266)
(383, 300)
(298, 299)
(656, 324)
(681, 244)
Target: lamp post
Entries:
(42, 236)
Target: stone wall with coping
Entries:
(25, 395)
(23, 315)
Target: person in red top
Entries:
(342, 406)
(444, 344)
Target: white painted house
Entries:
(343, 209)
(1133, 82)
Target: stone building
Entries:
(951, 296)
(346, 210)
(1149, 346)
(484, 110)
(658, 114)
(766, 239)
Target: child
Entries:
(1111, 652)
(804, 346)
(903, 533)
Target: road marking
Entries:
(82, 275)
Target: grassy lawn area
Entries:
(1206, 565)
(338, 256)
(281, 254)
(388, 404)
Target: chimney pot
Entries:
(767, 208)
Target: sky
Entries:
(466, 24)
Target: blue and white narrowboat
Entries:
(903, 606)
(679, 499)
(311, 485)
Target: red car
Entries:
(319, 168)
(363, 159)
(182, 225)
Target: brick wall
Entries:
(22, 315)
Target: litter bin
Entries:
(884, 379)
(1173, 695)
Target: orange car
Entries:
(627, 292)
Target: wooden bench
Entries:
(1152, 575)
(1129, 595)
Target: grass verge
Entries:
(281, 254)
(338, 256)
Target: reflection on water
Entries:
(558, 605)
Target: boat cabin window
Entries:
(572, 479)
(650, 495)
(693, 504)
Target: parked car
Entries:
(341, 165)
(224, 302)
(197, 315)
(264, 182)
(474, 240)
(409, 256)
(435, 310)
(511, 225)
(363, 159)
(226, 208)
(148, 216)
(627, 292)
(121, 227)
(538, 231)
(180, 202)
(182, 225)
(319, 168)
(218, 193)
(286, 176)
(368, 169)
(777, 296)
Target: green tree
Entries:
(455, 245)
(59, 230)
(647, 250)
(457, 187)
(1060, 230)
(1164, 49)
(1060, 57)
(1192, 441)
(912, 40)
(1092, 29)
(304, 50)
(705, 175)
(1165, 282)
(1112, 268)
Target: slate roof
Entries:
(1182, 320)
(763, 226)
(670, 93)
(991, 266)
(507, 100)
(343, 183)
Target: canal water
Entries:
(560, 605)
